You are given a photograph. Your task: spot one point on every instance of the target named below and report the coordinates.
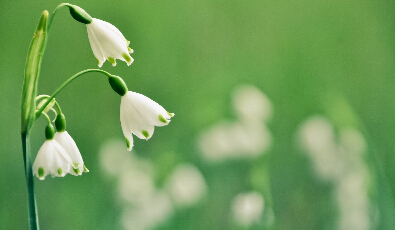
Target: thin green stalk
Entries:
(50, 22)
(38, 113)
(33, 216)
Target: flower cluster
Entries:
(59, 154)
(139, 114)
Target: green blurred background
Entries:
(322, 72)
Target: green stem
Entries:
(38, 113)
(33, 216)
(47, 117)
(50, 22)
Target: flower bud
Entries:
(33, 63)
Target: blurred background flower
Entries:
(284, 116)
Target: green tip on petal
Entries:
(145, 133)
(130, 50)
(60, 171)
(77, 171)
(127, 57)
(127, 143)
(112, 61)
(98, 62)
(86, 169)
(40, 172)
(162, 119)
(170, 114)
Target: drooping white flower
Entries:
(107, 42)
(68, 144)
(51, 159)
(140, 115)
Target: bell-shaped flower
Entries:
(51, 159)
(140, 115)
(107, 42)
(68, 144)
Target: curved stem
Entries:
(58, 108)
(38, 113)
(50, 22)
(33, 217)
(43, 96)
(47, 117)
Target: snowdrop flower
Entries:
(68, 144)
(107, 42)
(139, 114)
(51, 158)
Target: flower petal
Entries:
(137, 122)
(51, 159)
(126, 129)
(68, 144)
(108, 42)
(111, 43)
(149, 109)
(95, 45)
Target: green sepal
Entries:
(79, 14)
(49, 132)
(118, 85)
(32, 72)
(60, 122)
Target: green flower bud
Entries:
(33, 63)
(60, 123)
(49, 132)
(79, 14)
(118, 85)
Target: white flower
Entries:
(51, 159)
(140, 115)
(107, 42)
(68, 144)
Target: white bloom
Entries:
(51, 159)
(107, 42)
(68, 144)
(140, 115)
